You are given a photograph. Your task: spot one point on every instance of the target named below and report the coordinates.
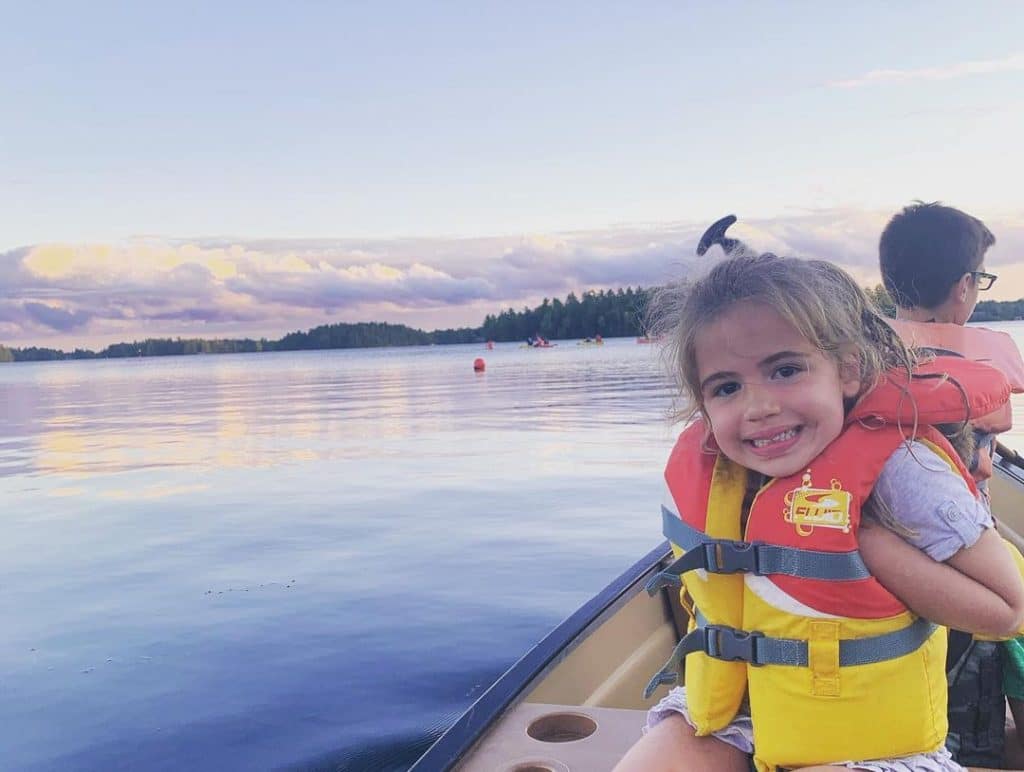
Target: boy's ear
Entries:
(961, 288)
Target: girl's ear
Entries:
(849, 376)
(708, 444)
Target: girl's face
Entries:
(773, 399)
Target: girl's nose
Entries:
(761, 403)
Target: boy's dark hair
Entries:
(926, 248)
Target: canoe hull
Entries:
(574, 701)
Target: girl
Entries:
(800, 657)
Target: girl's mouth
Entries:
(775, 444)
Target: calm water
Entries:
(309, 560)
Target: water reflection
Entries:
(237, 561)
(253, 412)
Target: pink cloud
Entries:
(65, 295)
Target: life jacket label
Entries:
(808, 507)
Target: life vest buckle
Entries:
(732, 645)
(662, 579)
(718, 556)
(729, 556)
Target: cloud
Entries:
(332, 287)
(57, 318)
(1012, 63)
(66, 295)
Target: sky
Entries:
(253, 168)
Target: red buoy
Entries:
(478, 365)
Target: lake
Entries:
(309, 560)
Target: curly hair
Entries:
(819, 299)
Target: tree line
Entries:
(327, 336)
(151, 347)
(998, 310)
(608, 313)
(985, 311)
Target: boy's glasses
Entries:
(983, 280)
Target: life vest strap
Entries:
(730, 556)
(755, 648)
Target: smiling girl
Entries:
(804, 651)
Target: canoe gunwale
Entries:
(1011, 463)
(460, 737)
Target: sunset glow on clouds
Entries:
(169, 171)
(63, 295)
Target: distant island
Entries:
(609, 313)
(612, 313)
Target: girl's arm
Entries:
(979, 590)
(989, 562)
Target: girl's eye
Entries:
(725, 389)
(787, 371)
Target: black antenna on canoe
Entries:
(716, 235)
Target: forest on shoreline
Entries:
(609, 313)
(612, 313)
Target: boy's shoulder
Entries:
(981, 344)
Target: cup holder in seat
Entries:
(541, 765)
(561, 728)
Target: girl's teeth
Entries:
(780, 437)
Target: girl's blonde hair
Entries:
(819, 299)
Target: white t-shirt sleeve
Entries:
(936, 507)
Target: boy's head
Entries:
(928, 251)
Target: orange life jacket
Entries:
(978, 343)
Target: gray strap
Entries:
(864, 651)
(754, 648)
(729, 556)
(679, 532)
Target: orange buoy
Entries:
(478, 365)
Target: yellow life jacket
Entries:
(835, 667)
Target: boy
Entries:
(932, 259)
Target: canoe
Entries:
(574, 701)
